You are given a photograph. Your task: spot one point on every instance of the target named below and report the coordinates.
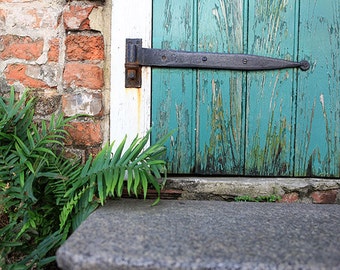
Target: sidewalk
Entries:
(185, 234)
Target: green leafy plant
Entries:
(45, 196)
(247, 198)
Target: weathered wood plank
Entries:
(318, 112)
(129, 108)
(219, 100)
(270, 94)
(174, 90)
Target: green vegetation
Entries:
(269, 198)
(45, 196)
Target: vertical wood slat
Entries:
(270, 94)
(174, 90)
(129, 108)
(219, 99)
(318, 111)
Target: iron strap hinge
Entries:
(137, 56)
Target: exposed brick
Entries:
(53, 52)
(12, 46)
(76, 17)
(43, 17)
(84, 134)
(83, 75)
(290, 197)
(33, 40)
(16, 1)
(33, 17)
(324, 197)
(82, 103)
(19, 72)
(82, 47)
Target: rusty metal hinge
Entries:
(137, 56)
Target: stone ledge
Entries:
(222, 188)
(184, 234)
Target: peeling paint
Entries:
(318, 123)
(258, 123)
(221, 153)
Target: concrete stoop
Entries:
(202, 229)
(186, 234)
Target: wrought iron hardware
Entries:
(137, 56)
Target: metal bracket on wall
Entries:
(137, 56)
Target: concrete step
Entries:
(188, 234)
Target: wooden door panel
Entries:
(318, 111)
(271, 123)
(174, 90)
(270, 107)
(219, 99)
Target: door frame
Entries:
(130, 108)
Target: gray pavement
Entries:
(184, 234)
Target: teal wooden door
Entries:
(263, 123)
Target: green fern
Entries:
(105, 176)
(47, 196)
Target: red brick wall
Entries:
(56, 49)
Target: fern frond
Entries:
(43, 248)
(68, 207)
(43, 186)
(118, 152)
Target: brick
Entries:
(12, 46)
(27, 18)
(83, 75)
(53, 52)
(19, 73)
(84, 134)
(325, 196)
(82, 47)
(15, 1)
(43, 17)
(35, 76)
(76, 17)
(82, 103)
(290, 197)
